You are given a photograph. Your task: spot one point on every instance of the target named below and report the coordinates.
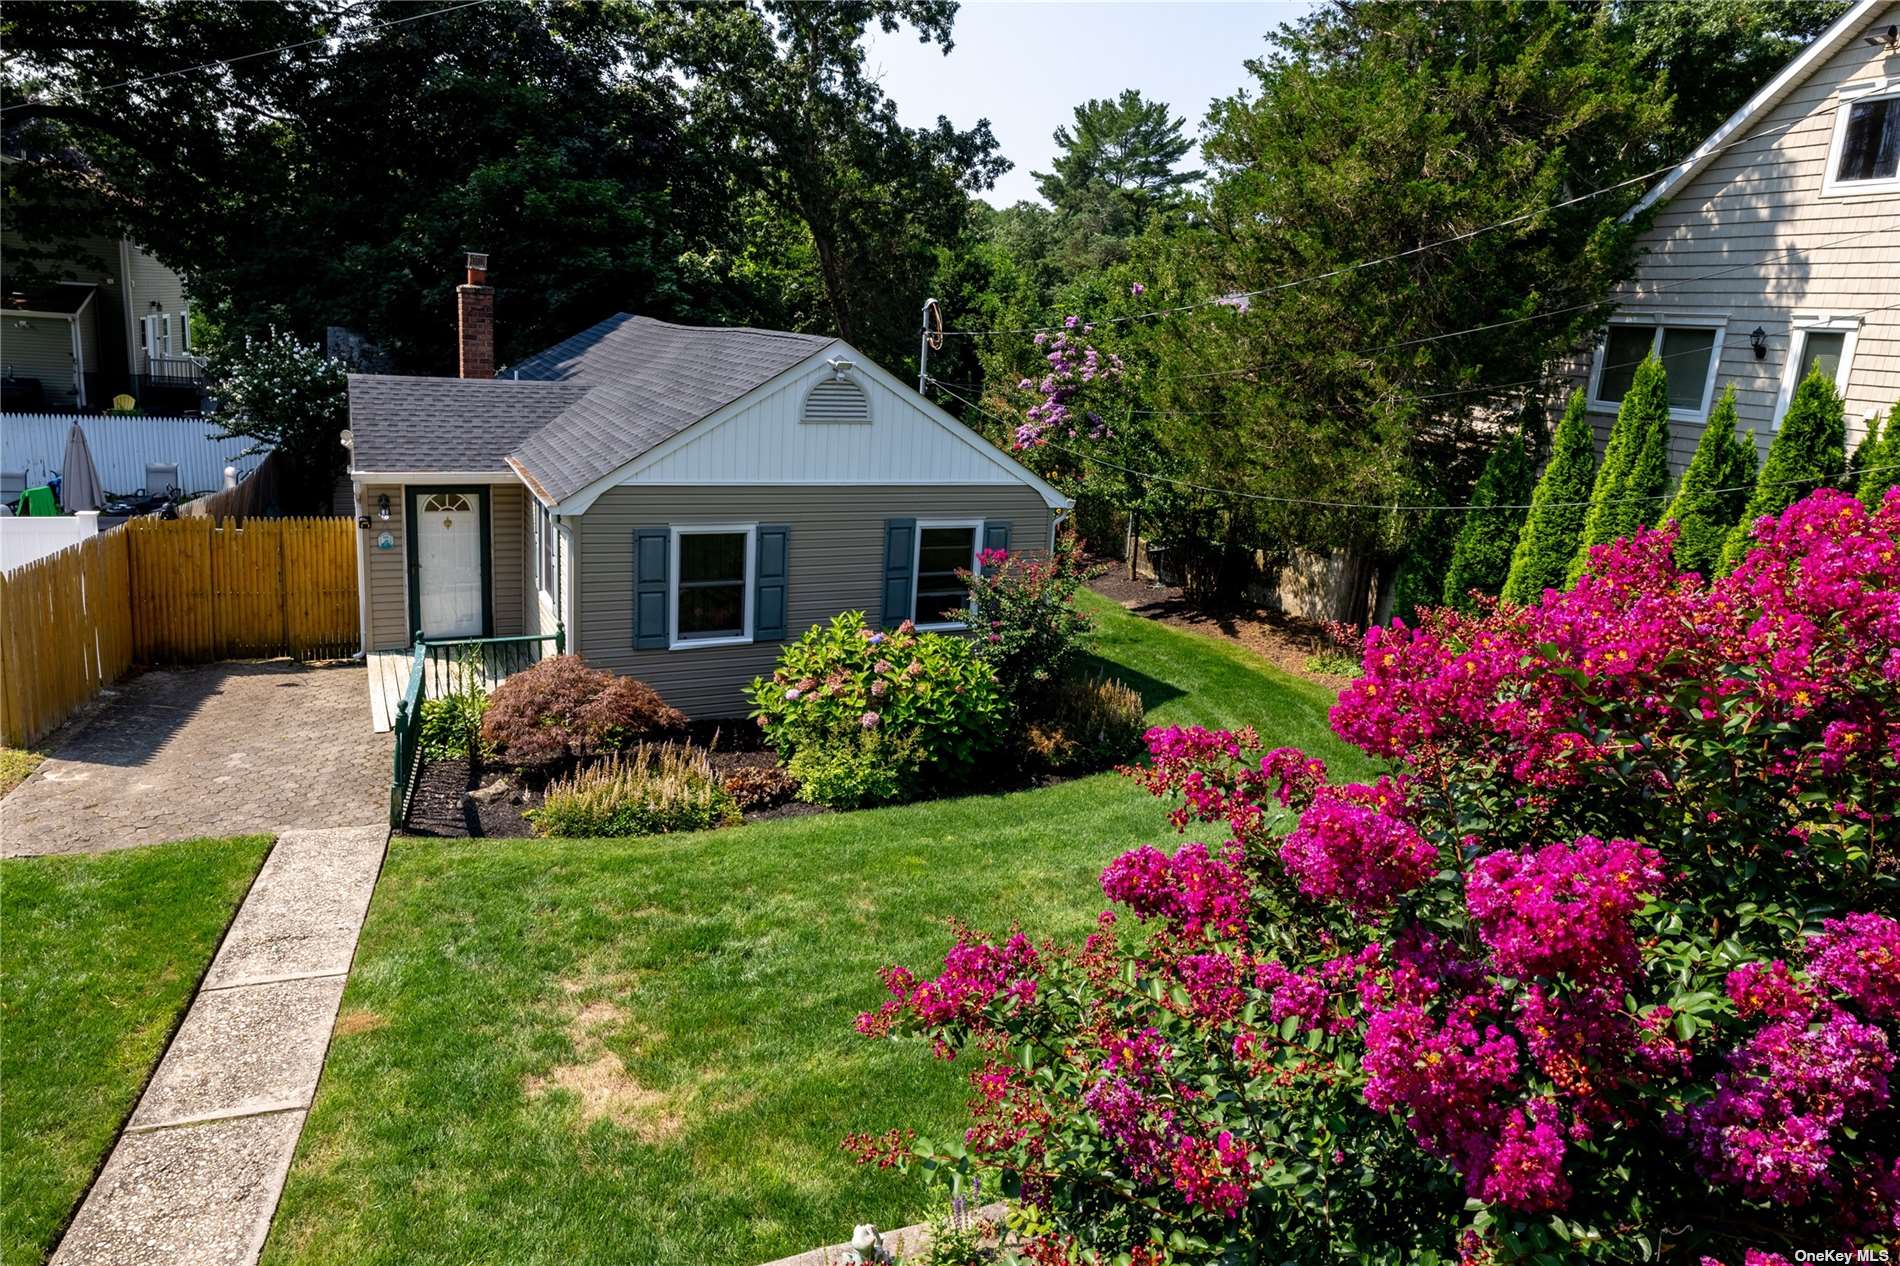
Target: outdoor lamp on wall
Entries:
(1758, 339)
(382, 506)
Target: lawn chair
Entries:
(38, 502)
(12, 484)
(161, 479)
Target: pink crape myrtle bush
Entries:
(1604, 968)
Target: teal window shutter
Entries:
(652, 548)
(770, 576)
(995, 536)
(900, 555)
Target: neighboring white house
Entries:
(1777, 244)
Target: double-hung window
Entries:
(712, 585)
(940, 599)
(1865, 154)
(1689, 348)
(1823, 341)
(547, 565)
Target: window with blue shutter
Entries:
(900, 548)
(771, 579)
(995, 536)
(651, 549)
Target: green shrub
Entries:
(930, 701)
(1635, 471)
(1709, 503)
(1090, 725)
(1026, 626)
(1555, 524)
(1878, 460)
(1420, 580)
(649, 791)
(1487, 536)
(1809, 452)
(450, 726)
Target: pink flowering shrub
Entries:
(1604, 968)
(862, 715)
(1025, 624)
(1071, 367)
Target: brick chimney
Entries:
(475, 310)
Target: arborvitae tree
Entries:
(1420, 581)
(1809, 452)
(1481, 556)
(1555, 524)
(1709, 503)
(1878, 460)
(1639, 441)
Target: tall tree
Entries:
(1488, 531)
(1555, 524)
(1637, 448)
(1714, 488)
(1809, 451)
(1117, 166)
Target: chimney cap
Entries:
(477, 260)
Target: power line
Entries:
(266, 52)
(1228, 300)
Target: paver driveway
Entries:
(223, 749)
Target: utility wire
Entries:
(266, 52)
(1228, 300)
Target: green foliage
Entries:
(1878, 460)
(1708, 505)
(863, 716)
(1809, 451)
(451, 723)
(1026, 624)
(1481, 556)
(285, 395)
(1635, 470)
(1115, 170)
(648, 791)
(1420, 581)
(1555, 523)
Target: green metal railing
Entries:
(437, 669)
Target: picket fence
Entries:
(122, 447)
(169, 592)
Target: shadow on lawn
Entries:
(1153, 691)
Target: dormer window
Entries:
(837, 399)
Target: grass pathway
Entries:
(593, 1052)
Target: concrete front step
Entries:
(196, 1175)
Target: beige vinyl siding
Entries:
(1752, 240)
(836, 564)
(507, 523)
(147, 282)
(42, 348)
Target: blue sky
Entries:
(1025, 67)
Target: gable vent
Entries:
(836, 400)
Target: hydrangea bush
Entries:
(1604, 969)
(862, 715)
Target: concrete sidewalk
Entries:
(196, 1175)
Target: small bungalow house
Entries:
(1776, 245)
(680, 500)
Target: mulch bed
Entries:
(443, 807)
(1287, 642)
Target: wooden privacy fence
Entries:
(65, 631)
(170, 592)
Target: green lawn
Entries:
(98, 957)
(642, 1051)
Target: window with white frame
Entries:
(712, 584)
(939, 598)
(1865, 154)
(547, 566)
(1824, 341)
(1689, 351)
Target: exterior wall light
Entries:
(1758, 339)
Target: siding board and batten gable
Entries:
(1745, 237)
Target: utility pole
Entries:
(930, 335)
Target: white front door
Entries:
(449, 563)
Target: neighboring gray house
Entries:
(1777, 244)
(682, 500)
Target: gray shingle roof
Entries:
(460, 424)
(574, 413)
(655, 380)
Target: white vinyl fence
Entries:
(122, 447)
(24, 540)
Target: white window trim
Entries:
(544, 525)
(1794, 370)
(916, 556)
(674, 640)
(1661, 321)
(1850, 97)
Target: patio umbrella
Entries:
(78, 477)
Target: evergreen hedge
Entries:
(1877, 460)
(1555, 524)
(1635, 470)
(1809, 452)
(1481, 555)
(1709, 503)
